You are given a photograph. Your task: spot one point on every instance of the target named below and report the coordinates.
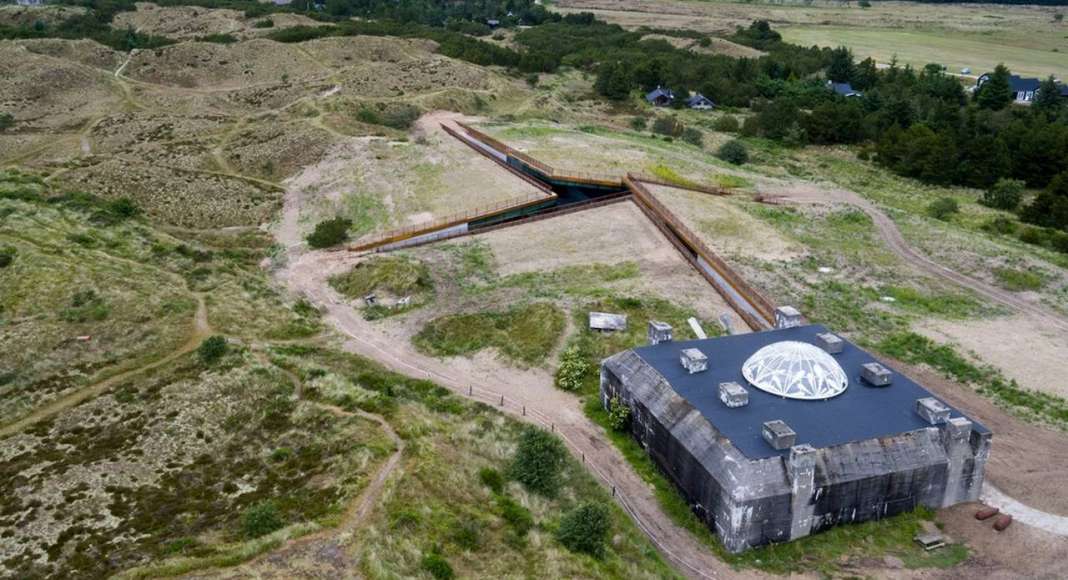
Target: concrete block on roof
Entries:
(659, 332)
(693, 360)
(778, 434)
(830, 342)
(787, 317)
(875, 374)
(733, 395)
(932, 410)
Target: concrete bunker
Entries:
(778, 468)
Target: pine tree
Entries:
(1048, 99)
(995, 93)
(840, 69)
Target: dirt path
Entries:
(200, 330)
(322, 554)
(535, 401)
(895, 242)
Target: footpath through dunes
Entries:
(896, 243)
(535, 401)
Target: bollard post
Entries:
(583, 458)
(502, 400)
(524, 410)
(470, 390)
(613, 491)
(552, 427)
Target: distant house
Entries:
(30, 2)
(844, 89)
(700, 102)
(282, 2)
(1023, 89)
(493, 22)
(661, 97)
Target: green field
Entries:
(1027, 54)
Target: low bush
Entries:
(6, 121)
(726, 124)
(1006, 194)
(734, 151)
(585, 529)
(265, 23)
(1018, 280)
(638, 123)
(618, 414)
(943, 208)
(538, 462)
(693, 137)
(668, 125)
(7, 255)
(572, 369)
(85, 306)
(437, 566)
(329, 233)
(261, 519)
(518, 517)
(212, 349)
(492, 479)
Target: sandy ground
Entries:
(395, 184)
(612, 234)
(726, 228)
(1025, 348)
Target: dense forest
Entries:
(918, 123)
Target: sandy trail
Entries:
(199, 331)
(532, 400)
(322, 554)
(895, 242)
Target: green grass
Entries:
(1018, 280)
(523, 334)
(442, 500)
(728, 181)
(398, 275)
(979, 51)
(671, 176)
(916, 349)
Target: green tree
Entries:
(1006, 194)
(840, 68)
(614, 81)
(865, 75)
(6, 121)
(437, 565)
(261, 519)
(212, 349)
(995, 94)
(1050, 208)
(538, 462)
(1048, 100)
(942, 208)
(585, 528)
(734, 151)
(329, 233)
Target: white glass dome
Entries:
(795, 370)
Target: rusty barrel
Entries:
(1003, 521)
(986, 513)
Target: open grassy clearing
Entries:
(1030, 53)
(189, 22)
(956, 35)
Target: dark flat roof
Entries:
(861, 412)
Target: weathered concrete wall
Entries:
(754, 502)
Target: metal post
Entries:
(584, 458)
(613, 491)
(552, 427)
(502, 400)
(524, 410)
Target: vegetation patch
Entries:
(916, 349)
(1019, 280)
(390, 279)
(524, 334)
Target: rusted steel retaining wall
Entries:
(750, 304)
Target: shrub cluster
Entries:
(585, 528)
(538, 462)
(329, 233)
